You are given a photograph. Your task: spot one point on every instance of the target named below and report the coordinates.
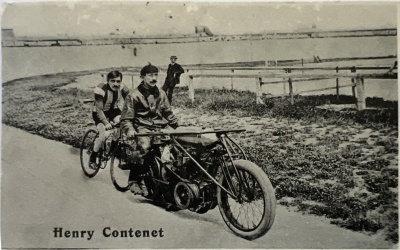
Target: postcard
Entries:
(134, 124)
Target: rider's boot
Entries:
(139, 187)
(136, 179)
(92, 160)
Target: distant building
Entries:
(7, 37)
(203, 30)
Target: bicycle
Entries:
(86, 150)
(118, 157)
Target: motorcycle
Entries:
(198, 170)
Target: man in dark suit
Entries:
(173, 74)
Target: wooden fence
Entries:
(290, 76)
(357, 79)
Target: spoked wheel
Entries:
(252, 214)
(121, 164)
(85, 152)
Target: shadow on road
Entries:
(74, 151)
(184, 214)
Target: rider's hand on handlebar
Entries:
(130, 134)
(108, 126)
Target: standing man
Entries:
(146, 109)
(173, 74)
(108, 103)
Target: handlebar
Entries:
(215, 131)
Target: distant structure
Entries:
(203, 34)
(7, 37)
(203, 30)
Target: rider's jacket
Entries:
(146, 107)
(106, 100)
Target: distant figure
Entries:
(173, 77)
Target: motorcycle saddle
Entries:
(205, 140)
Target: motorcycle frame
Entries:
(231, 148)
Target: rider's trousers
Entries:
(143, 144)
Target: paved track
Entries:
(44, 188)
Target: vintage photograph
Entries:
(141, 125)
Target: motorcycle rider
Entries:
(145, 110)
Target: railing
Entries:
(357, 79)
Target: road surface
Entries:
(44, 191)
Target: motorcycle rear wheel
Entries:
(154, 188)
(257, 199)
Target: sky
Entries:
(76, 18)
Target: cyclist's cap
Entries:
(148, 69)
(173, 57)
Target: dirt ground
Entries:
(318, 168)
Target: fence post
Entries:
(187, 77)
(133, 82)
(353, 88)
(337, 84)
(291, 91)
(191, 89)
(290, 87)
(360, 93)
(259, 90)
(232, 71)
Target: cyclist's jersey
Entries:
(107, 100)
(111, 99)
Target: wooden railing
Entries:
(357, 79)
(290, 76)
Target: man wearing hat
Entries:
(173, 74)
(145, 110)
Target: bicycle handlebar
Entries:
(114, 125)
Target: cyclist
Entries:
(145, 110)
(109, 99)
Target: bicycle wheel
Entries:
(85, 152)
(253, 213)
(121, 163)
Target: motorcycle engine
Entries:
(198, 194)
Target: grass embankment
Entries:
(340, 164)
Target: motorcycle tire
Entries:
(258, 186)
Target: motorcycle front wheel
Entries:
(252, 213)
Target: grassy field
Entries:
(339, 164)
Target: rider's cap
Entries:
(148, 69)
(173, 57)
